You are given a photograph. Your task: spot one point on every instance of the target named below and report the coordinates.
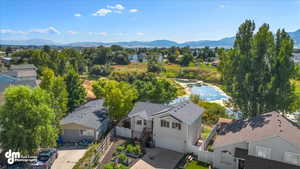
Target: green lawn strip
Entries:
(196, 165)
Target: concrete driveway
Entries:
(158, 158)
(67, 158)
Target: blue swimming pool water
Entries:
(208, 93)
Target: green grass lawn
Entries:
(206, 131)
(196, 165)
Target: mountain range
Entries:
(225, 42)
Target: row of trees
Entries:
(257, 72)
(29, 117)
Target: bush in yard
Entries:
(120, 148)
(114, 166)
(137, 149)
(122, 157)
(130, 149)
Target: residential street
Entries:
(67, 158)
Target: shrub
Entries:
(130, 148)
(137, 149)
(122, 157)
(121, 148)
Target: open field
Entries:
(132, 67)
(203, 72)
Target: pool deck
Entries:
(189, 93)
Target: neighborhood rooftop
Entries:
(186, 112)
(90, 114)
(259, 127)
(22, 66)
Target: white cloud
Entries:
(50, 30)
(221, 6)
(77, 15)
(133, 10)
(72, 32)
(10, 31)
(102, 12)
(117, 6)
(140, 33)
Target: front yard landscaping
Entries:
(122, 155)
(197, 165)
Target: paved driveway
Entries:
(67, 158)
(158, 158)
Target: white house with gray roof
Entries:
(175, 127)
(89, 121)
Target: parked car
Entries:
(45, 159)
(20, 165)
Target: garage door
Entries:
(170, 143)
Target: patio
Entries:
(158, 158)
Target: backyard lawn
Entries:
(196, 165)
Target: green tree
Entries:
(76, 92)
(257, 71)
(101, 70)
(186, 59)
(57, 88)
(27, 120)
(118, 97)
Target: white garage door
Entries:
(170, 143)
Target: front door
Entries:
(241, 164)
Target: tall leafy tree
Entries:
(27, 120)
(76, 92)
(257, 71)
(119, 97)
(56, 87)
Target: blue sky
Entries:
(142, 20)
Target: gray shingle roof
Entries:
(186, 112)
(90, 115)
(257, 128)
(22, 66)
(147, 109)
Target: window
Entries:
(139, 122)
(145, 122)
(87, 132)
(263, 152)
(176, 125)
(292, 158)
(164, 123)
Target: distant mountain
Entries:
(296, 36)
(226, 42)
(34, 42)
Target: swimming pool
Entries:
(208, 93)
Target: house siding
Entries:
(71, 133)
(227, 163)
(278, 147)
(169, 138)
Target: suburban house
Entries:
(268, 141)
(89, 121)
(175, 127)
(24, 74)
(297, 57)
